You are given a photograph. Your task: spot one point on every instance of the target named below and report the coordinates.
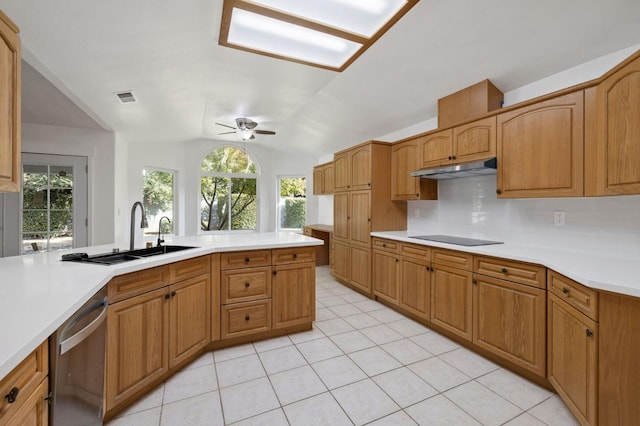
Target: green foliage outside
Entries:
(293, 211)
(42, 191)
(157, 196)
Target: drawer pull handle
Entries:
(13, 395)
(274, 273)
(246, 260)
(384, 245)
(565, 290)
(247, 284)
(295, 256)
(173, 293)
(504, 270)
(474, 281)
(167, 296)
(588, 332)
(247, 318)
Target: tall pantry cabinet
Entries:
(362, 204)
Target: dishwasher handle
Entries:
(70, 342)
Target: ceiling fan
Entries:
(246, 129)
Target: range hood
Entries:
(478, 168)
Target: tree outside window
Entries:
(292, 203)
(158, 199)
(228, 191)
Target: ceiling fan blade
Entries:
(264, 132)
(226, 133)
(224, 125)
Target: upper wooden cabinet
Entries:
(9, 106)
(323, 178)
(404, 160)
(353, 168)
(435, 149)
(540, 149)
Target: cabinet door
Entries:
(451, 300)
(435, 149)
(360, 214)
(293, 301)
(10, 166)
(341, 261)
(341, 215)
(189, 313)
(385, 275)
(404, 159)
(618, 132)
(137, 344)
(415, 287)
(360, 168)
(474, 141)
(34, 411)
(360, 267)
(573, 358)
(341, 171)
(509, 320)
(329, 177)
(540, 149)
(318, 180)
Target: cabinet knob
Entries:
(295, 256)
(397, 260)
(368, 183)
(274, 273)
(453, 157)
(418, 195)
(498, 191)
(247, 284)
(504, 270)
(588, 332)
(474, 281)
(247, 318)
(49, 398)
(565, 290)
(12, 395)
(246, 259)
(167, 296)
(384, 245)
(173, 293)
(449, 158)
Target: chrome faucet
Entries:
(143, 222)
(160, 240)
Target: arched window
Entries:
(228, 191)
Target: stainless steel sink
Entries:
(123, 256)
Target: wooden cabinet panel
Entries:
(415, 286)
(416, 251)
(404, 160)
(341, 215)
(360, 168)
(241, 319)
(215, 297)
(189, 268)
(452, 300)
(456, 259)
(34, 411)
(509, 320)
(386, 245)
(329, 177)
(318, 180)
(10, 110)
(540, 149)
(294, 293)
(293, 255)
(323, 179)
(189, 313)
(341, 171)
(135, 283)
(474, 141)
(360, 222)
(137, 344)
(245, 259)
(582, 298)
(573, 359)
(520, 272)
(360, 268)
(243, 285)
(341, 261)
(386, 267)
(435, 149)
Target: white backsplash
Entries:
(469, 207)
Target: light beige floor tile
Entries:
(294, 385)
(374, 361)
(306, 336)
(364, 401)
(205, 359)
(470, 363)
(334, 326)
(345, 310)
(318, 350)
(482, 404)
(434, 343)
(323, 292)
(406, 351)
(553, 412)
(282, 359)
(386, 315)
(404, 387)
(248, 399)
(352, 341)
(233, 352)
(270, 418)
(354, 297)
(399, 418)
(439, 411)
(361, 321)
(408, 328)
(188, 383)
(198, 410)
(273, 343)
(340, 371)
(438, 374)
(239, 370)
(319, 410)
(369, 305)
(324, 314)
(381, 334)
(339, 291)
(151, 400)
(144, 418)
(524, 420)
(331, 301)
(516, 389)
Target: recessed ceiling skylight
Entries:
(324, 33)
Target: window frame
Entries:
(174, 206)
(278, 198)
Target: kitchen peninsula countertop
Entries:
(600, 271)
(39, 292)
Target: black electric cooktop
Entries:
(460, 241)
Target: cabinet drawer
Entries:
(416, 251)
(25, 378)
(387, 245)
(189, 268)
(452, 258)
(246, 318)
(246, 259)
(523, 273)
(580, 297)
(243, 285)
(125, 286)
(293, 255)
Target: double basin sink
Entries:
(123, 256)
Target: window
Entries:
(228, 191)
(292, 202)
(158, 190)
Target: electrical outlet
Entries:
(558, 218)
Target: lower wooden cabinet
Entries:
(294, 294)
(452, 300)
(34, 411)
(360, 268)
(415, 286)
(341, 261)
(386, 268)
(242, 319)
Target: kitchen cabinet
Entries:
(10, 122)
(415, 280)
(341, 168)
(540, 149)
(434, 149)
(341, 261)
(385, 270)
(572, 340)
(404, 160)
(352, 168)
(293, 294)
(25, 389)
(323, 178)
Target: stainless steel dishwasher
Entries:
(76, 352)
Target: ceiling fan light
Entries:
(244, 134)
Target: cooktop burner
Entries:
(461, 241)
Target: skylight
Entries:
(328, 34)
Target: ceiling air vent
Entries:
(126, 97)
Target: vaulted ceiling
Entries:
(167, 53)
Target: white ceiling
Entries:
(166, 51)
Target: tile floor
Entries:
(362, 363)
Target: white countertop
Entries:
(613, 272)
(39, 292)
